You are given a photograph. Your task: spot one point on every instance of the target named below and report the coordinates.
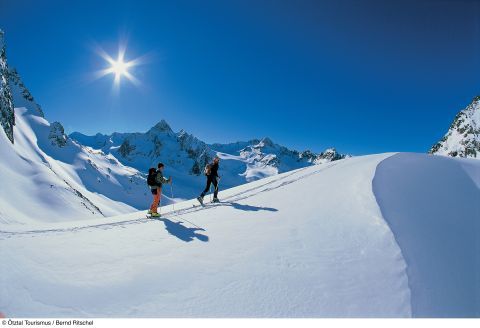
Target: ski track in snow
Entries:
(142, 219)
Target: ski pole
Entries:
(159, 207)
(171, 195)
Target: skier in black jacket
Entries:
(211, 171)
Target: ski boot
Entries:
(215, 200)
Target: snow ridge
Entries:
(431, 206)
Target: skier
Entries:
(155, 181)
(211, 171)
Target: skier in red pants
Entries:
(155, 181)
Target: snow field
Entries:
(307, 243)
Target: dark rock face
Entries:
(463, 136)
(57, 135)
(125, 148)
(7, 115)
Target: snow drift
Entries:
(432, 205)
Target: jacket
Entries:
(213, 171)
(160, 179)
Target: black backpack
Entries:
(152, 177)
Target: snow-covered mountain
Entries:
(48, 176)
(186, 156)
(463, 137)
(396, 237)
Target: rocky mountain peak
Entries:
(330, 154)
(162, 126)
(264, 142)
(267, 142)
(463, 136)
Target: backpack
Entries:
(208, 169)
(152, 177)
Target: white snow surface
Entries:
(307, 243)
(388, 235)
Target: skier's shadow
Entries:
(183, 233)
(243, 207)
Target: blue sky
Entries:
(362, 76)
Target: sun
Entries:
(119, 67)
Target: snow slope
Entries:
(47, 176)
(371, 236)
(45, 181)
(432, 205)
(307, 243)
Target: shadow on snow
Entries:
(242, 207)
(182, 232)
(186, 234)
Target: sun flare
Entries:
(119, 67)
